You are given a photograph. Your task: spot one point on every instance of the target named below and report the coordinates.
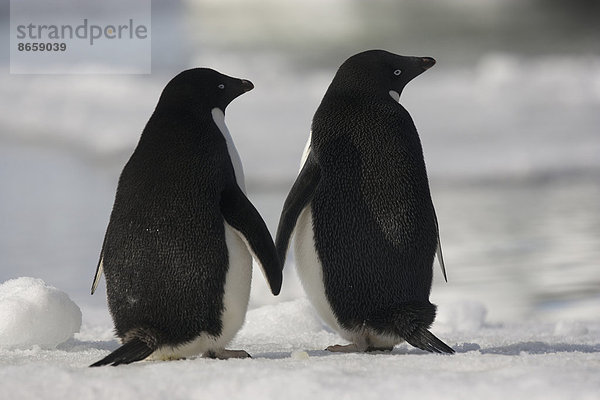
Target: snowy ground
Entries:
(532, 360)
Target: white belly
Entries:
(235, 303)
(310, 271)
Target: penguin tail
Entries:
(134, 350)
(422, 339)
(139, 344)
(411, 322)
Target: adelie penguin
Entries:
(178, 249)
(366, 232)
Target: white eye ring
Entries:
(397, 72)
(221, 86)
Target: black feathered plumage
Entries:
(164, 255)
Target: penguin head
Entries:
(380, 72)
(201, 89)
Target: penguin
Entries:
(366, 232)
(177, 254)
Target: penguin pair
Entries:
(177, 254)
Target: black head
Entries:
(202, 89)
(380, 71)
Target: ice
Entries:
(33, 313)
(299, 355)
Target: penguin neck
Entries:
(179, 126)
(218, 116)
(363, 102)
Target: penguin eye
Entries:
(221, 86)
(397, 72)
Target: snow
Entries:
(35, 314)
(533, 360)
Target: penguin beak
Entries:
(427, 62)
(247, 85)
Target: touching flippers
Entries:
(239, 212)
(299, 197)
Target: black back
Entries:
(164, 254)
(373, 218)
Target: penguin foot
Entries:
(225, 354)
(348, 348)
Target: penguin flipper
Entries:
(99, 270)
(300, 195)
(133, 350)
(99, 267)
(239, 212)
(438, 251)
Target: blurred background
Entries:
(509, 119)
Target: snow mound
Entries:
(295, 321)
(461, 316)
(35, 314)
(570, 328)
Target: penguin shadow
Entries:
(508, 350)
(511, 349)
(406, 350)
(541, 348)
(398, 351)
(73, 345)
(276, 355)
(281, 355)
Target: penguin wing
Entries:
(300, 195)
(239, 212)
(99, 269)
(438, 251)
